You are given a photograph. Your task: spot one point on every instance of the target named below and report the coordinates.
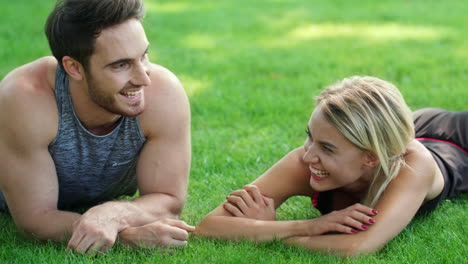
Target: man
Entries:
(94, 123)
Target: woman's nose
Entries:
(310, 155)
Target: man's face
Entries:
(118, 70)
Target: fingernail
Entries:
(375, 212)
(372, 221)
(364, 227)
(353, 231)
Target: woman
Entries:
(360, 148)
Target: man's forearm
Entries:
(142, 210)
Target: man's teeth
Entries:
(320, 173)
(132, 93)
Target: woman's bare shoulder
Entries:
(288, 177)
(420, 169)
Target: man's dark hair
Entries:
(74, 25)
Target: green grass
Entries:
(251, 69)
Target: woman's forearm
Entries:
(235, 228)
(346, 245)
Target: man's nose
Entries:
(141, 75)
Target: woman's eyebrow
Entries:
(328, 144)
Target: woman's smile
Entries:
(318, 174)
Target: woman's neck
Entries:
(362, 184)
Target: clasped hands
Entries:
(250, 203)
(95, 234)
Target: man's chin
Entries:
(132, 110)
(134, 113)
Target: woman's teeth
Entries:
(319, 173)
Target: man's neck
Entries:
(94, 118)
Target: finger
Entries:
(245, 196)
(178, 233)
(343, 229)
(181, 224)
(363, 209)
(255, 193)
(75, 240)
(84, 245)
(269, 202)
(104, 249)
(238, 201)
(362, 217)
(233, 210)
(178, 243)
(95, 248)
(353, 223)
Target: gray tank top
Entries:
(91, 169)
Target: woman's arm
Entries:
(348, 220)
(279, 183)
(396, 207)
(287, 178)
(221, 224)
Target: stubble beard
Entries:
(106, 101)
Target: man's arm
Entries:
(28, 180)
(162, 169)
(164, 162)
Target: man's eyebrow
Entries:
(124, 60)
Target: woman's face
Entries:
(333, 161)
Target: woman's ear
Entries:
(73, 68)
(371, 160)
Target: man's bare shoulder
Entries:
(39, 74)
(164, 82)
(27, 99)
(166, 102)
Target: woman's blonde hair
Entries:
(372, 114)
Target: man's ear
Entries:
(370, 160)
(73, 68)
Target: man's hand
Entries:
(165, 233)
(94, 232)
(250, 203)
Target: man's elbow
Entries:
(31, 230)
(172, 208)
(38, 225)
(177, 207)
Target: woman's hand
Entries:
(350, 220)
(250, 203)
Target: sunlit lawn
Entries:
(251, 69)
